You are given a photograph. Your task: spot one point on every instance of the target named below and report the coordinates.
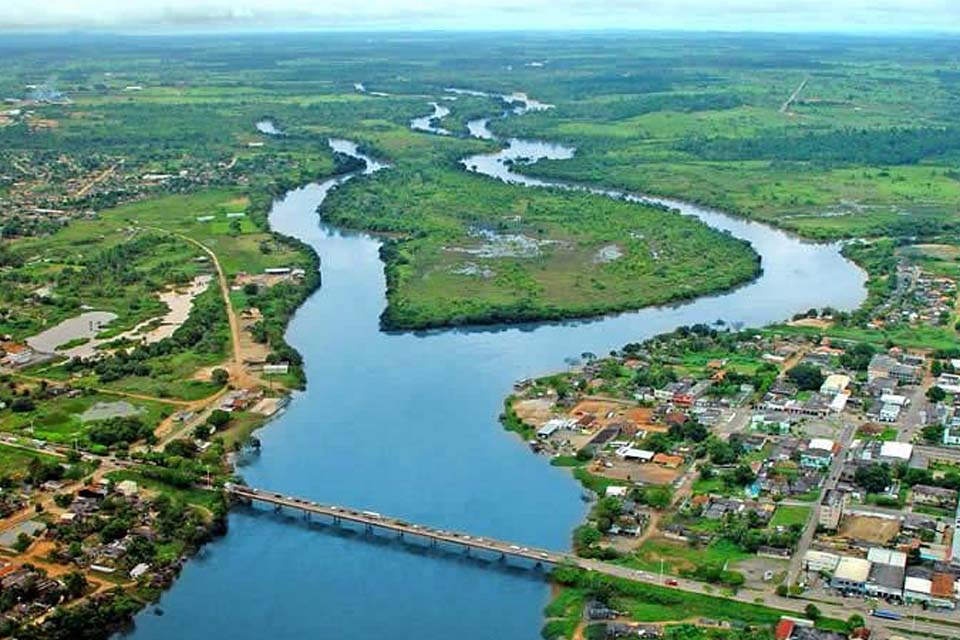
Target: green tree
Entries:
(75, 584)
(807, 377)
(811, 611)
(218, 418)
(875, 478)
(936, 394)
(220, 376)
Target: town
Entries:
(774, 460)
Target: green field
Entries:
(786, 516)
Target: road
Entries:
(785, 107)
(239, 376)
(833, 476)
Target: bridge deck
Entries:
(376, 520)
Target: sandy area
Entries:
(648, 473)
(877, 530)
(179, 303)
(816, 323)
(85, 325)
(534, 412)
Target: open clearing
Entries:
(876, 530)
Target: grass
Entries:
(786, 516)
(197, 497)
(14, 460)
(679, 556)
(58, 419)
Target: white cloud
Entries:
(468, 14)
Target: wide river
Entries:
(406, 424)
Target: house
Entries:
(671, 462)
(831, 508)
(816, 459)
(942, 591)
(15, 355)
(549, 428)
(812, 633)
(949, 382)
(851, 575)
(951, 436)
(934, 496)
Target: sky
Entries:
(728, 15)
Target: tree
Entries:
(782, 590)
(855, 622)
(218, 418)
(75, 584)
(23, 542)
(219, 377)
(875, 478)
(811, 611)
(807, 377)
(936, 394)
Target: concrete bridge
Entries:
(944, 624)
(370, 520)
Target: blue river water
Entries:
(406, 424)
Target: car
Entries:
(672, 583)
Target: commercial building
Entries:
(851, 575)
(885, 581)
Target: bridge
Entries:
(933, 622)
(371, 520)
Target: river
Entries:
(406, 424)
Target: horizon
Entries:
(876, 17)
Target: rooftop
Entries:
(852, 569)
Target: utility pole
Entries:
(661, 571)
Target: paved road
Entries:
(833, 476)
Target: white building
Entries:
(896, 451)
(820, 561)
(851, 575)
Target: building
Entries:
(831, 508)
(889, 413)
(851, 575)
(942, 591)
(889, 557)
(896, 451)
(934, 496)
(884, 366)
(917, 589)
(885, 581)
(955, 551)
(949, 382)
(834, 384)
(951, 436)
(816, 459)
(820, 561)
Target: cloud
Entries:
(799, 15)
